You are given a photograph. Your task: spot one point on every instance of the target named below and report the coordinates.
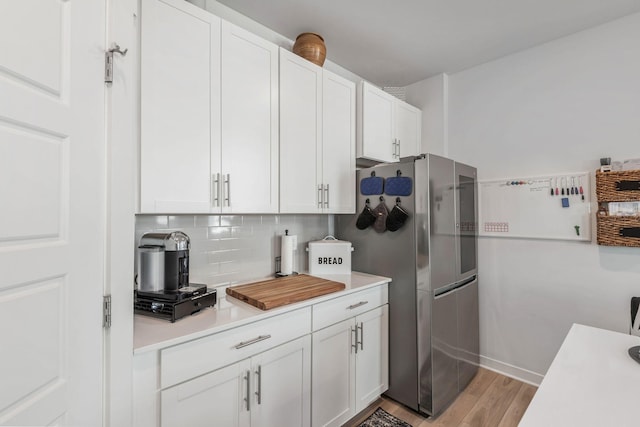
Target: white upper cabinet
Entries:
(388, 128)
(408, 121)
(249, 168)
(180, 106)
(209, 121)
(317, 138)
(339, 143)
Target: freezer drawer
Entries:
(468, 334)
(444, 350)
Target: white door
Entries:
(333, 374)
(300, 134)
(339, 143)
(180, 107)
(249, 122)
(372, 360)
(215, 399)
(408, 128)
(282, 385)
(52, 232)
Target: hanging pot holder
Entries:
(381, 212)
(397, 217)
(366, 218)
(372, 185)
(399, 185)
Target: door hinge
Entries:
(106, 311)
(108, 62)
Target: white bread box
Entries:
(329, 256)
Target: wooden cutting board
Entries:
(284, 290)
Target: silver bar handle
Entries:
(393, 148)
(253, 341)
(215, 189)
(320, 196)
(258, 392)
(361, 327)
(326, 200)
(354, 346)
(361, 303)
(398, 146)
(227, 196)
(248, 394)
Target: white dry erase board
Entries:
(524, 207)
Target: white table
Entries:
(591, 382)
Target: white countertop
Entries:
(592, 382)
(151, 333)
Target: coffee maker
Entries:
(163, 262)
(163, 278)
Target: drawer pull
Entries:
(253, 341)
(361, 303)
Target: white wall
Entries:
(431, 96)
(555, 108)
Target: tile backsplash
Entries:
(227, 249)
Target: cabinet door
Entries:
(300, 134)
(338, 144)
(180, 102)
(372, 360)
(282, 386)
(408, 128)
(249, 122)
(333, 374)
(218, 398)
(376, 129)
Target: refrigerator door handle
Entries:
(453, 287)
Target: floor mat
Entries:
(381, 418)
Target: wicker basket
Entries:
(609, 230)
(606, 186)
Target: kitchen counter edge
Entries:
(152, 334)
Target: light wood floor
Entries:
(491, 400)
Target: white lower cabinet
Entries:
(215, 398)
(269, 389)
(350, 366)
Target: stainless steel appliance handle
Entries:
(326, 193)
(361, 327)
(253, 341)
(354, 345)
(248, 394)
(320, 194)
(361, 303)
(259, 390)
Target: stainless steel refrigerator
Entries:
(432, 261)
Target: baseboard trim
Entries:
(515, 372)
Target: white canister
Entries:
(330, 256)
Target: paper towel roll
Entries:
(286, 254)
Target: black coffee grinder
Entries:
(163, 278)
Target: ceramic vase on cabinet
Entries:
(311, 47)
